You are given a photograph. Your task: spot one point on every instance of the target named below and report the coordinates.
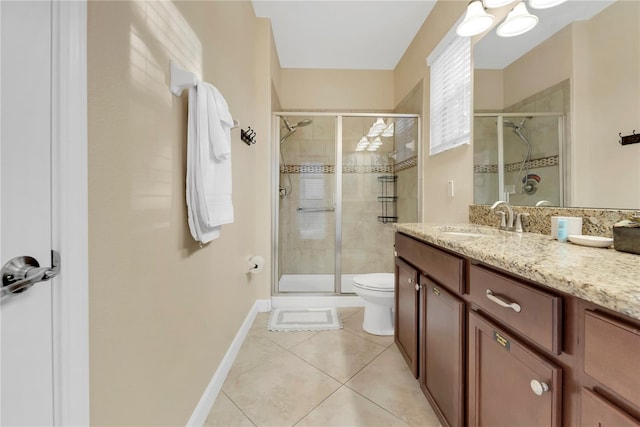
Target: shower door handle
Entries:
(308, 210)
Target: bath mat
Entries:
(304, 319)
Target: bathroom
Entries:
(148, 281)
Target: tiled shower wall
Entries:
(307, 240)
(543, 134)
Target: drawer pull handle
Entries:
(512, 305)
(539, 387)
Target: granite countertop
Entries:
(603, 276)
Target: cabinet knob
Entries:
(539, 387)
(417, 287)
(409, 280)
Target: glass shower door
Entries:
(307, 204)
(379, 177)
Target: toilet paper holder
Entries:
(255, 264)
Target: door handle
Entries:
(22, 272)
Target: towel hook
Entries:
(634, 138)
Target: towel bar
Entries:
(308, 210)
(182, 79)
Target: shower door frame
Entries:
(563, 154)
(275, 182)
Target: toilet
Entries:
(377, 291)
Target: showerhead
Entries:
(510, 124)
(518, 128)
(292, 128)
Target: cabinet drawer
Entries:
(595, 411)
(612, 355)
(534, 313)
(445, 268)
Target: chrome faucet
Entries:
(505, 223)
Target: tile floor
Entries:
(332, 378)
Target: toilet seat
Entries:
(381, 282)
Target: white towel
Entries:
(208, 163)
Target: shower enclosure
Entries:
(340, 181)
(518, 157)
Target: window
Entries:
(450, 95)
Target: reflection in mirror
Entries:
(563, 66)
(519, 153)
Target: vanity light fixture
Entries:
(362, 144)
(376, 142)
(518, 21)
(544, 4)
(388, 132)
(476, 20)
(492, 4)
(377, 128)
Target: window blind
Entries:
(450, 95)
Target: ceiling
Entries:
(361, 35)
(373, 34)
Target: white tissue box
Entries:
(574, 225)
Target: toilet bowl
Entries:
(377, 291)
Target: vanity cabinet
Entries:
(439, 324)
(509, 383)
(442, 341)
(490, 348)
(406, 313)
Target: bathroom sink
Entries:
(467, 234)
(469, 231)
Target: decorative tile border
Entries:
(543, 162)
(367, 169)
(345, 168)
(595, 222)
(406, 164)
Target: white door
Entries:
(25, 192)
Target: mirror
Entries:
(581, 61)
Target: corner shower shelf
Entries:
(388, 199)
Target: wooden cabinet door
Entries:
(406, 313)
(598, 412)
(442, 372)
(502, 376)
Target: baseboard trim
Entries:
(210, 394)
(316, 301)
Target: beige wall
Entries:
(488, 92)
(606, 101)
(457, 164)
(336, 90)
(163, 310)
